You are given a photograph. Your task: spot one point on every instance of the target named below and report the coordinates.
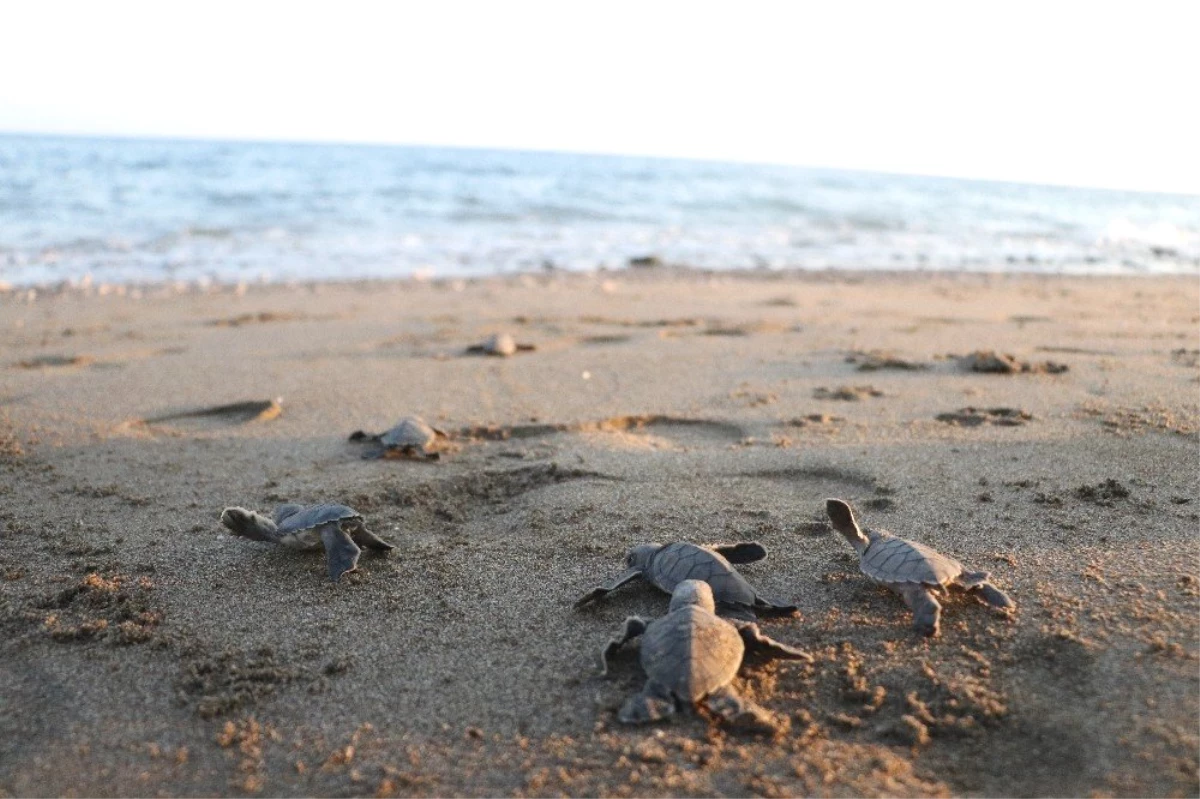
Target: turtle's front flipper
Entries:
(633, 627)
(764, 644)
(654, 703)
(286, 510)
(927, 612)
(765, 607)
(740, 713)
(248, 524)
(611, 585)
(365, 538)
(341, 553)
(978, 581)
(742, 552)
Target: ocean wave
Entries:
(129, 210)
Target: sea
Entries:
(88, 211)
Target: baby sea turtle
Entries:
(501, 345)
(691, 656)
(667, 566)
(411, 437)
(336, 527)
(912, 570)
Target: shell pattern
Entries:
(299, 530)
(889, 559)
(691, 652)
(410, 432)
(681, 561)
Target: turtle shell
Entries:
(499, 344)
(299, 530)
(410, 432)
(889, 559)
(691, 652)
(681, 561)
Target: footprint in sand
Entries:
(973, 417)
(602, 340)
(847, 393)
(262, 317)
(991, 362)
(875, 360)
(659, 429)
(54, 361)
(220, 415)
(645, 429)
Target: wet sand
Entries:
(145, 651)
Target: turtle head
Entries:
(841, 515)
(640, 556)
(693, 592)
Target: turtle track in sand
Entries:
(455, 499)
(678, 430)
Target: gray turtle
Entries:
(667, 566)
(691, 656)
(500, 345)
(912, 570)
(411, 437)
(336, 527)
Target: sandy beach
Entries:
(146, 651)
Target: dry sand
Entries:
(147, 652)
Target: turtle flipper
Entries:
(365, 538)
(741, 552)
(248, 524)
(927, 612)
(995, 597)
(978, 581)
(341, 553)
(286, 510)
(736, 610)
(764, 644)
(740, 713)
(633, 627)
(612, 585)
(654, 703)
(765, 607)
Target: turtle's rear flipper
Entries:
(987, 592)
(365, 538)
(764, 644)
(741, 552)
(927, 612)
(736, 610)
(740, 713)
(766, 608)
(652, 704)
(248, 524)
(341, 553)
(611, 585)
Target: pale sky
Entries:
(1078, 93)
